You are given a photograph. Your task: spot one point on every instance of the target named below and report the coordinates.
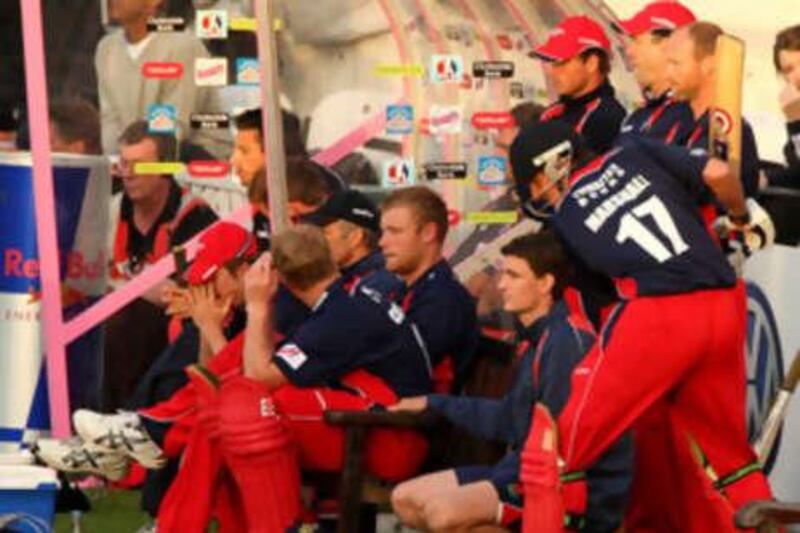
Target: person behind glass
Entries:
(125, 91)
(786, 56)
(150, 216)
(660, 116)
(75, 127)
(577, 61)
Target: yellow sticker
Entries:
(158, 168)
(399, 70)
(492, 217)
(242, 24)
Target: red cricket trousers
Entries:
(687, 349)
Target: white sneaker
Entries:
(122, 433)
(74, 455)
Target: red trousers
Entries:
(391, 454)
(686, 350)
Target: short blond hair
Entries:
(704, 37)
(302, 256)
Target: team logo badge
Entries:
(211, 71)
(398, 172)
(247, 71)
(212, 24)
(491, 170)
(162, 118)
(447, 69)
(399, 119)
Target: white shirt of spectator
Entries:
(136, 49)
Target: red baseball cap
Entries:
(572, 36)
(662, 15)
(221, 244)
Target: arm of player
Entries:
(260, 285)
(698, 173)
(485, 418)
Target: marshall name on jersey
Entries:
(636, 221)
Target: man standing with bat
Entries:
(678, 332)
(691, 69)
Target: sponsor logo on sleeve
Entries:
(211, 71)
(292, 355)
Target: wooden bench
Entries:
(360, 494)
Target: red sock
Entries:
(261, 455)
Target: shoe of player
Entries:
(74, 455)
(122, 433)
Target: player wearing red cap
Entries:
(356, 350)
(678, 332)
(660, 116)
(216, 311)
(577, 62)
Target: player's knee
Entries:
(440, 514)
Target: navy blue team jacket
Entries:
(595, 116)
(633, 215)
(554, 346)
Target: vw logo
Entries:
(764, 361)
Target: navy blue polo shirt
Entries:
(360, 329)
(595, 116)
(698, 139)
(444, 314)
(660, 117)
(371, 271)
(551, 348)
(633, 215)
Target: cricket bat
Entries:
(725, 124)
(777, 413)
(490, 253)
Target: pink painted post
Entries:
(46, 237)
